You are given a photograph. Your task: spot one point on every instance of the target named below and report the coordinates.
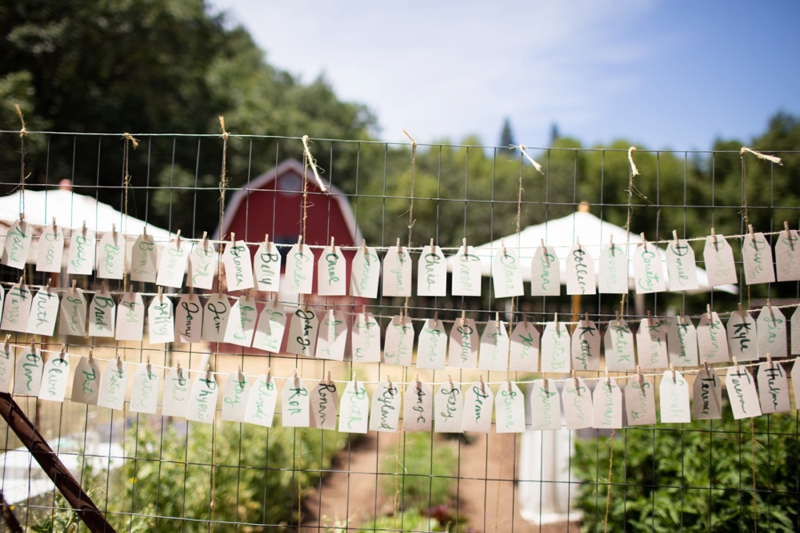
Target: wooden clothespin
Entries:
(639, 376)
(160, 294)
(364, 245)
(464, 245)
(644, 241)
(672, 369)
(714, 236)
(617, 315)
(503, 245)
(63, 353)
(508, 383)
(752, 233)
(675, 237)
(432, 247)
(575, 382)
(300, 242)
(208, 372)
(649, 318)
(7, 348)
(708, 311)
(483, 385)
(333, 244)
(418, 383)
(330, 381)
(497, 319)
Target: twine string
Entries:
(129, 141)
(310, 161)
(411, 195)
(765, 157)
(22, 132)
(536, 165)
(610, 472)
(223, 185)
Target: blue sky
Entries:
(664, 74)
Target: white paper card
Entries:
(397, 272)
(365, 339)
(242, 321)
(303, 332)
(707, 393)
(507, 274)
(113, 385)
(773, 388)
(494, 347)
(365, 273)
(466, 279)
(354, 409)
(239, 267)
(462, 348)
(72, 313)
(712, 340)
(613, 275)
(102, 315)
(188, 319)
(44, 312)
(577, 400)
(718, 257)
(544, 405)
(586, 346)
(651, 340)
(215, 318)
(172, 266)
(771, 333)
(674, 395)
(177, 390)
(757, 259)
(742, 393)
(202, 266)
(682, 342)
(432, 345)
(332, 272)
(143, 259)
(448, 407)
(640, 401)
(385, 414)
(81, 251)
(295, 404)
(111, 256)
(648, 270)
(556, 348)
(144, 390)
(234, 397)
(742, 337)
(28, 373)
(618, 345)
(545, 272)
(130, 317)
(300, 270)
(524, 348)
(418, 407)
(270, 328)
(261, 402)
(54, 379)
(203, 400)
(17, 308)
(681, 266)
(509, 409)
(607, 405)
(399, 344)
(267, 267)
(478, 403)
(160, 320)
(787, 256)
(6, 368)
(581, 277)
(324, 401)
(332, 337)
(18, 242)
(86, 382)
(431, 272)
(50, 249)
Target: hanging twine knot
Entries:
(765, 157)
(634, 170)
(521, 148)
(23, 131)
(311, 162)
(222, 128)
(133, 140)
(413, 142)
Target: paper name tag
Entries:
(261, 402)
(188, 319)
(177, 390)
(510, 409)
(130, 317)
(17, 308)
(270, 328)
(618, 344)
(172, 266)
(613, 275)
(577, 400)
(28, 373)
(674, 392)
(607, 405)
(757, 259)
(466, 279)
(144, 390)
(242, 322)
(742, 393)
(143, 259)
(432, 345)
(397, 272)
(787, 256)
(771, 332)
(681, 266)
(431, 272)
(707, 393)
(640, 401)
(160, 320)
(524, 348)
(399, 344)
(303, 332)
(300, 269)
(796, 381)
(651, 339)
(234, 397)
(54, 379)
(354, 409)
(648, 270)
(773, 388)
(462, 350)
(332, 338)
(365, 273)
(239, 267)
(86, 382)
(267, 267)
(111, 256)
(295, 404)
(494, 347)
(215, 318)
(682, 342)
(113, 385)
(742, 337)
(545, 272)
(418, 407)
(81, 251)
(795, 323)
(718, 257)
(586, 346)
(712, 340)
(202, 405)
(544, 405)
(102, 315)
(581, 277)
(202, 266)
(6, 368)
(365, 339)
(478, 403)
(50, 249)
(324, 401)
(507, 274)
(448, 405)
(332, 272)
(556, 348)
(44, 312)
(385, 414)
(18, 242)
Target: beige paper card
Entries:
(54, 379)
(607, 405)
(86, 382)
(28, 372)
(544, 405)
(332, 337)
(111, 256)
(681, 266)
(431, 272)
(640, 401)
(17, 244)
(81, 251)
(261, 402)
(478, 404)
(718, 257)
(674, 393)
(113, 385)
(507, 274)
(188, 319)
(742, 337)
(324, 401)
(102, 315)
(613, 275)
(44, 312)
(581, 278)
(130, 317)
(303, 327)
(270, 328)
(144, 257)
(509, 409)
(618, 346)
(586, 346)
(466, 279)
(295, 404)
(556, 348)
(432, 345)
(742, 393)
(418, 407)
(577, 400)
(399, 343)
(354, 409)
(172, 267)
(757, 259)
(365, 273)
(365, 339)
(494, 347)
(385, 414)
(448, 406)
(397, 272)
(144, 390)
(160, 320)
(707, 394)
(267, 267)
(332, 272)
(300, 270)
(682, 342)
(545, 272)
(50, 249)
(524, 348)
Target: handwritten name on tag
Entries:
(144, 390)
(130, 317)
(172, 266)
(771, 332)
(44, 312)
(215, 318)
(757, 259)
(270, 328)
(773, 388)
(466, 279)
(6, 368)
(160, 320)
(432, 345)
(28, 373)
(397, 272)
(718, 257)
(613, 275)
(144, 255)
(787, 256)
(648, 270)
(619, 349)
(242, 322)
(581, 278)
(674, 392)
(267, 267)
(478, 403)
(295, 404)
(462, 350)
(524, 348)
(332, 272)
(81, 251)
(54, 379)
(202, 266)
(742, 337)
(177, 390)
(111, 256)
(18, 242)
(365, 273)
(544, 405)
(50, 249)
(303, 331)
(300, 269)
(510, 409)
(385, 414)
(707, 392)
(682, 342)
(577, 400)
(431, 272)
(17, 308)
(113, 385)
(261, 402)
(332, 338)
(324, 400)
(239, 267)
(188, 319)
(586, 346)
(448, 405)
(640, 401)
(102, 315)
(365, 339)
(418, 407)
(742, 393)
(203, 400)
(607, 405)
(712, 340)
(86, 382)
(234, 397)
(507, 274)
(651, 339)
(545, 272)
(354, 409)
(494, 347)
(795, 323)
(399, 344)
(556, 348)
(681, 266)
